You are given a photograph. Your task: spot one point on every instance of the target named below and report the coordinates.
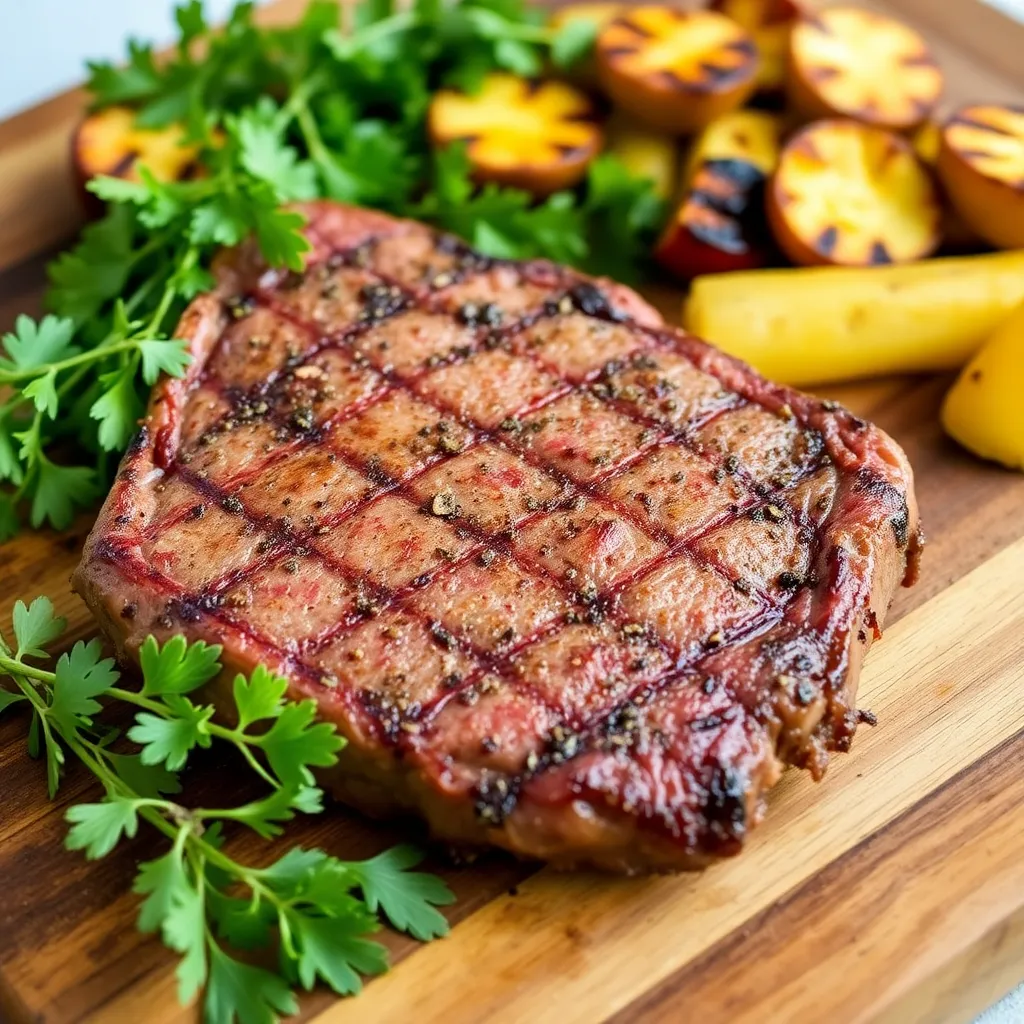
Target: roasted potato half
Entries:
(108, 142)
(981, 164)
(534, 135)
(720, 224)
(676, 70)
(852, 62)
(957, 237)
(770, 22)
(848, 194)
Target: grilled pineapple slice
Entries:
(676, 70)
(852, 62)
(848, 194)
(534, 135)
(720, 224)
(981, 164)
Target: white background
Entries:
(46, 44)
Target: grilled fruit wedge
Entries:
(983, 410)
(720, 224)
(855, 63)
(957, 237)
(676, 70)
(847, 194)
(537, 136)
(981, 164)
(645, 153)
(108, 142)
(770, 22)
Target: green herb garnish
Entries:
(313, 910)
(315, 109)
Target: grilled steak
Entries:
(570, 581)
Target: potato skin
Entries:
(821, 325)
(672, 106)
(992, 209)
(984, 410)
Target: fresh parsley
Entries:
(314, 910)
(330, 106)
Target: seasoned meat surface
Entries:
(570, 581)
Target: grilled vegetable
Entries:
(852, 195)
(645, 153)
(538, 136)
(981, 164)
(984, 410)
(855, 63)
(676, 70)
(720, 224)
(108, 142)
(770, 22)
(829, 324)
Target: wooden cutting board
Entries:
(892, 891)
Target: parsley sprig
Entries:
(320, 108)
(315, 909)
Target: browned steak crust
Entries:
(569, 581)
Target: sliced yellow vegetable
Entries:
(646, 152)
(984, 411)
(813, 326)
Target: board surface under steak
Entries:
(569, 581)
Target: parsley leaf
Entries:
(239, 991)
(169, 741)
(35, 626)
(178, 667)
(98, 828)
(82, 675)
(407, 897)
(33, 345)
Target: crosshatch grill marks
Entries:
(424, 456)
(363, 282)
(425, 407)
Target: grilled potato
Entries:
(981, 164)
(983, 410)
(720, 224)
(676, 70)
(852, 62)
(533, 135)
(770, 22)
(847, 194)
(108, 142)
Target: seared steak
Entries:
(569, 581)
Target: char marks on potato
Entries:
(569, 581)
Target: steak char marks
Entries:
(569, 581)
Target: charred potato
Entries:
(981, 164)
(534, 135)
(108, 142)
(720, 224)
(770, 22)
(848, 194)
(676, 70)
(851, 62)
